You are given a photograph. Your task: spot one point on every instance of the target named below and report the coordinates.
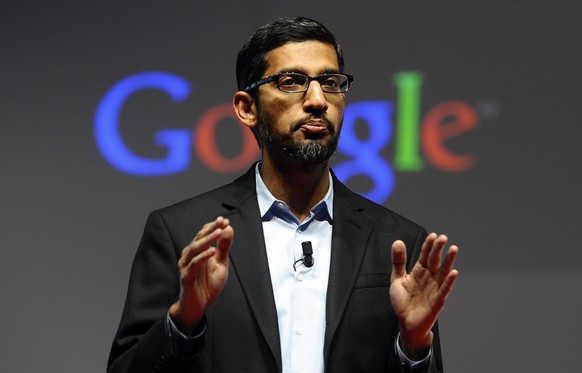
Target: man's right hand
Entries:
(203, 272)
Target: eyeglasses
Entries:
(299, 82)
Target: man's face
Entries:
(300, 127)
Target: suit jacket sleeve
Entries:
(143, 343)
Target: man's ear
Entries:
(245, 109)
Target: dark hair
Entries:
(251, 62)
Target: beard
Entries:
(283, 146)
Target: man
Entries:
(310, 283)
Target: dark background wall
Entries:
(70, 220)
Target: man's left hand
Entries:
(419, 296)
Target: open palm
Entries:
(419, 296)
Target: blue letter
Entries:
(366, 154)
(110, 143)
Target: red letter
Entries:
(205, 144)
(444, 121)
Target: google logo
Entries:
(440, 123)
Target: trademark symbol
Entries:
(488, 109)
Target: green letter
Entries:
(407, 157)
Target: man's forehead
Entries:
(302, 56)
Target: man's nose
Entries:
(315, 97)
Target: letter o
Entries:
(205, 144)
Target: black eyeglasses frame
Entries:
(274, 77)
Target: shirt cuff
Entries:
(184, 345)
(412, 366)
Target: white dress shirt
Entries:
(300, 292)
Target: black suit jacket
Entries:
(242, 331)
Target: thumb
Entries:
(398, 260)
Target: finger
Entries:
(208, 228)
(447, 286)
(398, 260)
(193, 267)
(449, 262)
(196, 247)
(221, 222)
(424, 251)
(224, 243)
(435, 253)
(208, 234)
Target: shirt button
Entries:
(300, 277)
(300, 331)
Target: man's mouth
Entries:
(315, 127)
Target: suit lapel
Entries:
(351, 233)
(249, 259)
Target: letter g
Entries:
(111, 144)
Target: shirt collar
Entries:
(269, 205)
